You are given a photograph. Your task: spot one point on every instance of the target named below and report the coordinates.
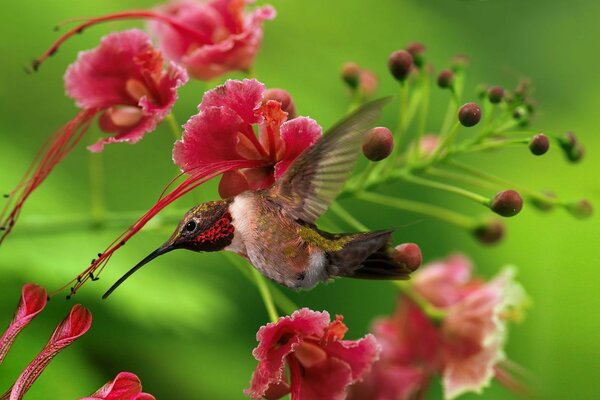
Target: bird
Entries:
(275, 229)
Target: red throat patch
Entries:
(222, 229)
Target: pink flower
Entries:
(33, 301)
(223, 130)
(231, 39)
(123, 81)
(125, 386)
(208, 38)
(321, 364)
(220, 139)
(123, 78)
(465, 347)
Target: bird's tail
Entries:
(368, 255)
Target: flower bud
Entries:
(469, 114)
(283, 97)
(581, 209)
(507, 203)
(351, 74)
(378, 143)
(417, 51)
(408, 255)
(495, 94)
(489, 232)
(539, 144)
(445, 79)
(400, 63)
(576, 153)
(367, 85)
(429, 142)
(459, 61)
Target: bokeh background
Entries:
(186, 324)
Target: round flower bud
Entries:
(576, 153)
(445, 79)
(367, 85)
(489, 232)
(283, 97)
(469, 114)
(378, 143)
(507, 203)
(351, 74)
(459, 61)
(581, 209)
(400, 63)
(568, 141)
(539, 144)
(408, 255)
(417, 51)
(495, 94)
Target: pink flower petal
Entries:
(326, 381)
(358, 354)
(298, 134)
(70, 329)
(390, 381)
(244, 97)
(125, 386)
(33, 300)
(276, 341)
(443, 282)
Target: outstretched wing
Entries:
(317, 176)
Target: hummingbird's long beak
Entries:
(165, 248)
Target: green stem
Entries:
(445, 141)
(174, 126)
(424, 109)
(421, 208)
(96, 173)
(347, 217)
(446, 187)
(494, 144)
(402, 115)
(469, 180)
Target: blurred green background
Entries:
(186, 324)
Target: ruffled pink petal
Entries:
(33, 300)
(70, 329)
(244, 97)
(325, 381)
(443, 282)
(298, 134)
(153, 113)
(474, 338)
(98, 78)
(358, 354)
(276, 341)
(125, 386)
(210, 136)
(235, 51)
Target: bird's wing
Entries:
(316, 177)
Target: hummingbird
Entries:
(274, 229)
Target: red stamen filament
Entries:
(249, 133)
(144, 14)
(52, 152)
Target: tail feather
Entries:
(368, 256)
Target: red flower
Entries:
(223, 130)
(122, 80)
(220, 139)
(125, 386)
(465, 347)
(321, 364)
(231, 37)
(208, 38)
(33, 301)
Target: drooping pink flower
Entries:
(70, 329)
(220, 139)
(223, 130)
(209, 38)
(465, 346)
(122, 81)
(125, 386)
(232, 37)
(321, 364)
(33, 300)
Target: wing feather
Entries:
(317, 176)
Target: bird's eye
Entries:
(190, 226)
